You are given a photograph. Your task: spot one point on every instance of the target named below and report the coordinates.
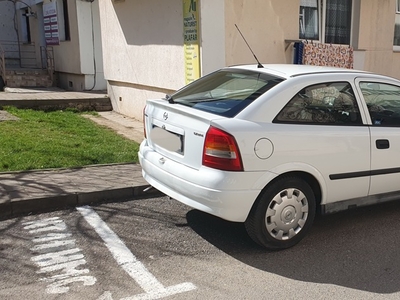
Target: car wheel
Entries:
(282, 214)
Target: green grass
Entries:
(59, 139)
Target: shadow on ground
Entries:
(356, 249)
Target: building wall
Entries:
(90, 45)
(377, 19)
(10, 36)
(143, 42)
(142, 50)
(212, 28)
(7, 31)
(265, 25)
(78, 61)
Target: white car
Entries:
(273, 146)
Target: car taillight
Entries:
(144, 122)
(221, 151)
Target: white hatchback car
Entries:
(272, 146)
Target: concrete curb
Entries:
(20, 207)
(97, 104)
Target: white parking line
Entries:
(124, 257)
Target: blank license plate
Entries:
(168, 140)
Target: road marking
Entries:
(124, 257)
(57, 253)
(53, 244)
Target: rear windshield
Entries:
(225, 92)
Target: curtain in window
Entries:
(308, 23)
(338, 21)
(308, 20)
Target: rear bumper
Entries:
(228, 195)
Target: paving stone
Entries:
(6, 116)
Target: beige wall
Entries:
(66, 55)
(212, 28)
(376, 29)
(143, 51)
(143, 42)
(265, 25)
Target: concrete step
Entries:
(27, 78)
(48, 99)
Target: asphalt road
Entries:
(160, 249)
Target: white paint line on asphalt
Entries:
(59, 257)
(53, 244)
(51, 237)
(57, 260)
(166, 292)
(124, 257)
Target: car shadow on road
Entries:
(357, 249)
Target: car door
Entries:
(382, 101)
(327, 128)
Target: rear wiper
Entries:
(169, 99)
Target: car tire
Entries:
(282, 214)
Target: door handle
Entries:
(382, 144)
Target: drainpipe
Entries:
(93, 48)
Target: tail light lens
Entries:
(221, 151)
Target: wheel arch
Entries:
(307, 177)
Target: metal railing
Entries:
(19, 55)
(14, 55)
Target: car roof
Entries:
(291, 70)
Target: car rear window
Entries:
(225, 92)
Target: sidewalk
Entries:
(46, 190)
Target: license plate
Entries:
(168, 140)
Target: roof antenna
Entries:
(259, 64)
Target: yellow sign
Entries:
(191, 40)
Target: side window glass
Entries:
(331, 103)
(383, 102)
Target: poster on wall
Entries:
(191, 40)
(51, 24)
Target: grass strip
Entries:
(59, 139)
